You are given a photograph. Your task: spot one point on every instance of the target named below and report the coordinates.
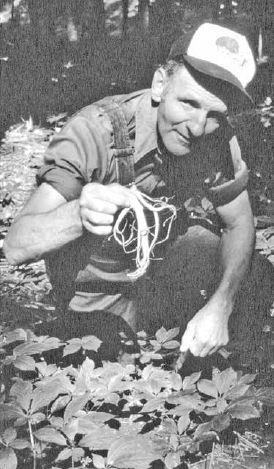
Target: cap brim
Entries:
(219, 73)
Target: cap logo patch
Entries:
(228, 47)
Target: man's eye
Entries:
(190, 103)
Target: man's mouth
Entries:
(186, 141)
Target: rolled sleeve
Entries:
(75, 156)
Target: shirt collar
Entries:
(146, 127)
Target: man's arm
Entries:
(208, 330)
(48, 222)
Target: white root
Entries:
(137, 232)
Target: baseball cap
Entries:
(220, 53)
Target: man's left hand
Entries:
(208, 329)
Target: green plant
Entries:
(114, 415)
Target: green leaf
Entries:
(28, 349)
(9, 435)
(171, 333)
(91, 420)
(24, 363)
(46, 393)
(172, 460)
(236, 391)
(90, 342)
(50, 435)
(20, 444)
(265, 395)
(161, 335)
(22, 390)
(183, 422)
(247, 379)
(64, 454)
(126, 452)
(203, 432)
(220, 422)
(171, 344)
(60, 403)
(98, 461)
(189, 381)
(154, 404)
(207, 387)
(243, 411)
(8, 459)
(77, 403)
(13, 336)
(38, 417)
(77, 454)
(72, 347)
(224, 380)
(101, 440)
(9, 412)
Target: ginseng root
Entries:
(132, 230)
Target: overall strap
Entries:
(123, 150)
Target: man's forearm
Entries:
(31, 237)
(236, 249)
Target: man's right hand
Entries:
(99, 204)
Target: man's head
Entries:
(194, 94)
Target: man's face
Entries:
(187, 112)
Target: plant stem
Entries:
(32, 444)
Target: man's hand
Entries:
(99, 204)
(208, 330)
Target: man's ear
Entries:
(158, 84)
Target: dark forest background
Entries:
(59, 55)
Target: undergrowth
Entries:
(138, 413)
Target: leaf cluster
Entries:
(116, 415)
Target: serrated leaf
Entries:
(183, 422)
(75, 405)
(154, 404)
(220, 422)
(225, 380)
(64, 454)
(172, 460)
(46, 393)
(102, 440)
(203, 432)
(161, 335)
(243, 411)
(71, 348)
(207, 387)
(24, 363)
(92, 420)
(60, 403)
(28, 349)
(8, 459)
(50, 435)
(171, 333)
(247, 379)
(189, 381)
(265, 395)
(10, 412)
(13, 336)
(98, 461)
(36, 418)
(20, 444)
(9, 435)
(236, 391)
(22, 391)
(90, 342)
(126, 452)
(171, 344)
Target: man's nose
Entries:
(197, 123)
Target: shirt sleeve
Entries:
(75, 156)
(224, 186)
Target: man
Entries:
(167, 140)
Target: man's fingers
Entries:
(99, 230)
(187, 339)
(97, 218)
